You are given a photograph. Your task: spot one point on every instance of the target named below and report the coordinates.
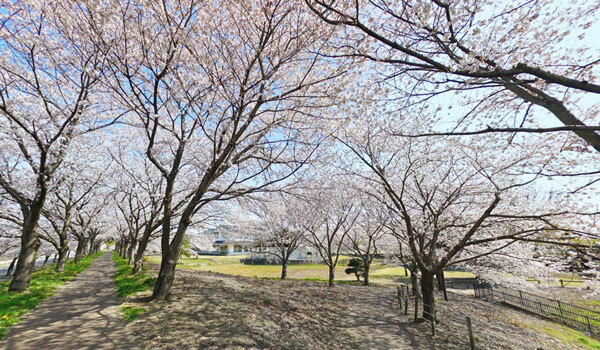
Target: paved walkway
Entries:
(83, 314)
(374, 323)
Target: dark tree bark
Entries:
(138, 259)
(11, 266)
(367, 267)
(414, 280)
(81, 243)
(62, 260)
(284, 265)
(331, 275)
(30, 244)
(46, 260)
(123, 248)
(427, 291)
(166, 276)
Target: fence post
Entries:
(470, 329)
(406, 305)
(562, 284)
(521, 295)
(433, 319)
(399, 291)
(560, 309)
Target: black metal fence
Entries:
(571, 315)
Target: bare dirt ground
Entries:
(83, 314)
(214, 311)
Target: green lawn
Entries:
(565, 335)
(131, 313)
(231, 265)
(43, 284)
(128, 284)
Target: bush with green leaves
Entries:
(356, 266)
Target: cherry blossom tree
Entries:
(77, 184)
(453, 208)
(330, 213)
(277, 225)
(232, 116)
(50, 77)
(502, 58)
(369, 231)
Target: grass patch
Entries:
(128, 284)
(566, 335)
(231, 265)
(44, 283)
(131, 313)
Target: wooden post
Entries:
(433, 319)
(470, 330)
(406, 304)
(400, 297)
(562, 284)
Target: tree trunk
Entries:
(284, 269)
(163, 284)
(46, 260)
(54, 260)
(79, 251)
(130, 252)
(366, 274)
(170, 256)
(428, 294)
(30, 243)
(138, 264)
(170, 250)
(442, 283)
(331, 275)
(62, 260)
(138, 260)
(124, 248)
(91, 246)
(11, 266)
(414, 281)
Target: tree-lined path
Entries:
(83, 314)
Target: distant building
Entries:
(225, 246)
(227, 240)
(266, 254)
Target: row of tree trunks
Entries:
(81, 249)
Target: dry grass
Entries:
(215, 311)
